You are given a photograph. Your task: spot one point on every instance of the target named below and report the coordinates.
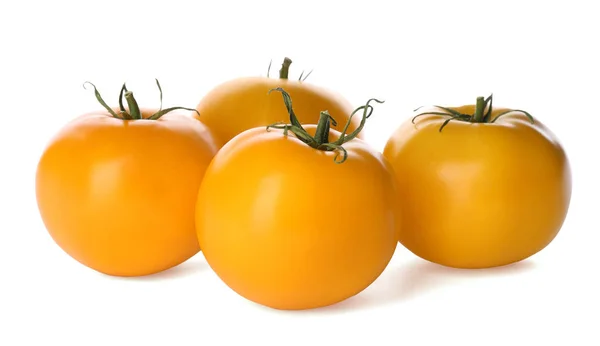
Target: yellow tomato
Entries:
(490, 188)
(286, 224)
(243, 103)
(117, 190)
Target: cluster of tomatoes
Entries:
(272, 180)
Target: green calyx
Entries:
(320, 140)
(133, 112)
(285, 70)
(482, 114)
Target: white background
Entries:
(540, 57)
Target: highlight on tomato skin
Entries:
(481, 186)
(116, 189)
(311, 223)
(243, 103)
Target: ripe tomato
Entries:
(117, 190)
(297, 230)
(243, 103)
(491, 188)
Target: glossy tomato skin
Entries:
(244, 103)
(119, 195)
(478, 195)
(284, 226)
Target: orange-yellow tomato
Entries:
(285, 226)
(243, 103)
(479, 194)
(119, 195)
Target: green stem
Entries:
(323, 127)
(285, 68)
(321, 139)
(477, 117)
(479, 108)
(134, 112)
(134, 109)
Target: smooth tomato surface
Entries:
(286, 227)
(479, 195)
(244, 103)
(119, 195)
